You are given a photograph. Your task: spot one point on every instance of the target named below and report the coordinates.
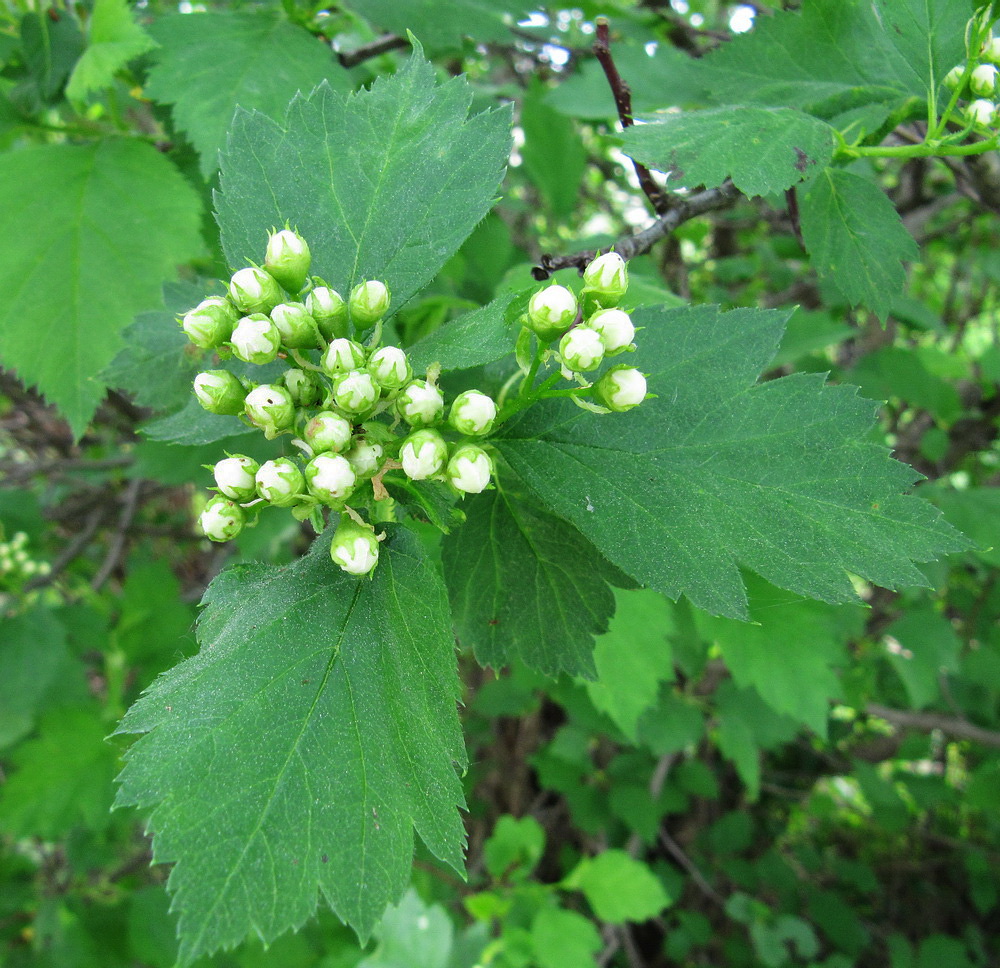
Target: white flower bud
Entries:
(297, 328)
(356, 392)
(328, 431)
(551, 311)
(981, 112)
(354, 548)
(220, 391)
(210, 323)
(330, 477)
(280, 482)
(390, 367)
(234, 477)
(303, 386)
(343, 355)
(365, 457)
(607, 278)
(581, 349)
(954, 76)
(423, 455)
(254, 291)
(328, 308)
(368, 302)
(983, 80)
(470, 469)
(256, 339)
(991, 50)
(288, 259)
(472, 413)
(271, 409)
(420, 404)
(222, 519)
(615, 329)
(19, 540)
(621, 388)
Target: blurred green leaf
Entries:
(618, 887)
(113, 39)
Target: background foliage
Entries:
(713, 769)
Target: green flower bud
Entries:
(254, 291)
(222, 519)
(469, 469)
(983, 80)
(621, 388)
(304, 387)
(356, 392)
(297, 328)
(330, 477)
(256, 340)
(991, 50)
(981, 112)
(343, 355)
(328, 308)
(210, 323)
(472, 413)
(607, 278)
(234, 477)
(368, 302)
(220, 391)
(271, 409)
(354, 548)
(551, 311)
(423, 454)
(581, 349)
(365, 457)
(288, 259)
(615, 329)
(390, 367)
(328, 431)
(954, 76)
(280, 482)
(420, 404)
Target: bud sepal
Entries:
(280, 482)
(330, 478)
(235, 477)
(420, 404)
(470, 469)
(551, 311)
(220, 391)
(328, 431)
(253, 290)
(368, 302)
(581, 349)
(423, 455)
(222, 519)
(256, 339)
(473, 413)
(270, 408)
(288, 259)
(605, 279)
(354, 548)
(297, 328)
(620, 389)
(210, 323)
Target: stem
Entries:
(529, 378)
(303, 362)
(925, 149)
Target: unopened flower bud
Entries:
(472, 413)
(423, 454)
(354, 548)
(280, 482)
(222, 519)
(991, 50)
(256, 339)
(983, 80)
(297, 328)
(551, 311)
(234, 477)
(615, 329)
(304, 387)
(219, 391)
(420, 404)
(343, 355)
(328, 308)
(368, 302)
(954, 76)
(271, 409)
(621, 388)
(981, 112)
(330, 477)
(390, 367)
(581, 349)
(328, 431)
(469, 469)
(355, 393)
(607, 278)
(288, 259)
(254, 291)
(210, 323)
(365, 457)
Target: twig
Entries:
(381, 45)
(121, 532)
(656, 781)
(79, 542)
(631, 246)
(674, 849)
(929, 722)
(623, 102)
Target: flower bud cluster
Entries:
(354, 410)
(977, 82)
(17, 566)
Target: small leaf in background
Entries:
(515, 843)
(78, 259)
(564, 939)
(412, 935)
(553, 154)
(618, 887)
(349, 688)
(50, 46)
(383, 184)
(113, 39)
(856, 238)
(210, 63)
(473, 339)
(922, 646)
(763, 150)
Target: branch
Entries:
(381, 45)
(929, 722)
(683, 210)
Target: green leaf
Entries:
(50, 46)
(514, 841)
(385, 184)
(210, 63)
(526, 585)
(898, 371)
(564, 939)
(113, 40)
(412, 935)
(78, 258)
(856, 238)
(618, 887)
(553, 154)
(717, 472)
(473, 339)
(296, 753)
(922, 646)
(193, 426)
(763, 150)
